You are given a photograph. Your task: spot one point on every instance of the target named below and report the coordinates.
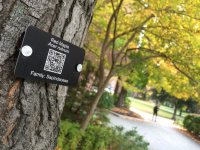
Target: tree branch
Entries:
(160, 54)
(103, 49)
(120, 35)
(114, 33)
(123, 67)
(131, 38)
(184, 73)
(179, 13)
(110, 23)
(89, 49)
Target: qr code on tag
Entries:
(54, 62)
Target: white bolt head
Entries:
(79, 67)
(27, 51)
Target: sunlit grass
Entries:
(147, 106)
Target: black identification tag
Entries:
(48, 58)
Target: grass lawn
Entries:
(164, 111)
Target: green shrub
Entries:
(106, 101)
(179, 121)
(192, 124)
(127, 102)
(129, 140)
(100, 117)
(98, 138)
(69, 135)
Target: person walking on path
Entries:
(155, 112)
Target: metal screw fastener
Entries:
(27, 51)
(79, 67)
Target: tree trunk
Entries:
(95, 101)
(122, 96)
(118, 88)
(90, 79)
(157, 102)
(175, 110)
(180, 113)
(30, 111)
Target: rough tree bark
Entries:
(30, 111)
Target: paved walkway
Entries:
(160, 136)
(148, 117)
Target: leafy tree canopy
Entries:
(150, 42)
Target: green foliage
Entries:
(138, 75)
(96, 137)
(70, 135)
(127, 102)
(179, 121)
(192, 124)
(99, 138)
(192, 106)
(106, 101)
(163, 37)
(129, 140)
(100, 117)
